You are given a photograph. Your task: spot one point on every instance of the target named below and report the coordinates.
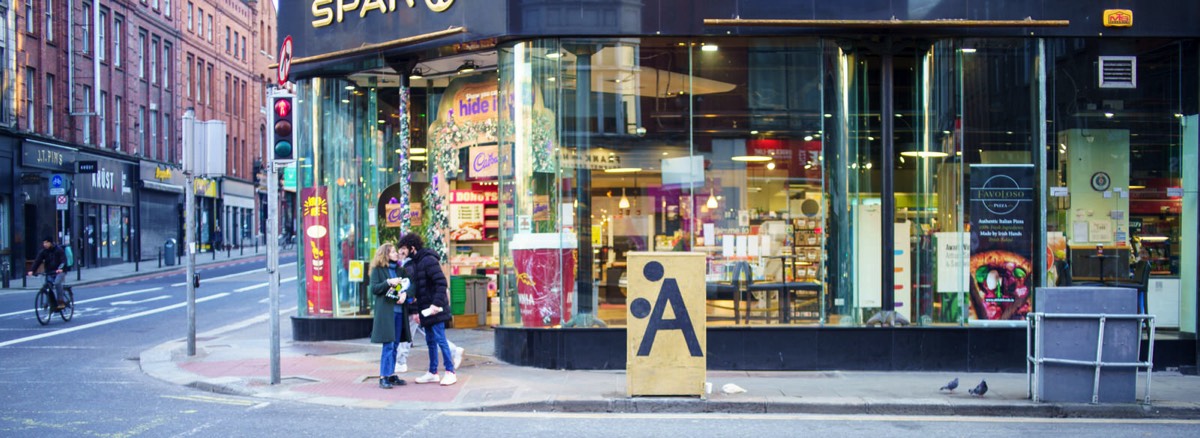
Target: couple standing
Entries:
(411, 297)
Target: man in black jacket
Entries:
(433, 304)
(55, 261)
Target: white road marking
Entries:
(123, 303)
(209, 399)
(252, 287)
(255, 271)
(819, 417)
(109, 321)
(108, 297)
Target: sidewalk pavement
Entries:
(235, 360)
(113, 274)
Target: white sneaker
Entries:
(450, 379)
(402, 368)
(458, 356)
(427, 378)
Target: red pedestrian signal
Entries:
(282, 142)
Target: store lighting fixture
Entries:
(623, 170)
(751, 158)
(1153, 238)
(624, 202)
(925, 154)
(771, 166)
(1136, 187)
(712, 201)
(968, 50)
(417, 150)
(553, 55)
(467, 67)
(417, 73)
(418, 158)
(709, 48)
(349, 87)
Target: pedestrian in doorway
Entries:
(432, 304)
(390, 324)
(217, 239)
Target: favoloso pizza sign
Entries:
(1001, 266)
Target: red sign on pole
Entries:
(318, 278)
(285, 60)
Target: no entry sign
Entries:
(285, 60)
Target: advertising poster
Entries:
(317, 277)
(1001, 241)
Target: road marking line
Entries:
(251, 287)
(207, 399)
(231, 275)
(820, 417)
(109, 297)
(120, 303)
(108, 321)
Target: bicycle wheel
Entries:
(68, 312)
(42, 307)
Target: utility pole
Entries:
(189, 158)
(273, 263)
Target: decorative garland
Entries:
(405, 169)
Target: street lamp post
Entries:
(189, 120)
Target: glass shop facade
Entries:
(840, 169)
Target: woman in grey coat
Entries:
(390, 324)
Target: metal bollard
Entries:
(228, 251)
(137, 258)
(160, 257)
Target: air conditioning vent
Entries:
(1118, 72)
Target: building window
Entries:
(140, 127)
(168, 145)
(49, 20)
(199, 79)
(30, 92)
(85, 29)
(50, 105)
(243, 48)
(154, 61)
(118, 109)
(102, 45)
(227, 37)
(167, 8)
(85, 106)
(228, 91)
(191, 73)
(154, 151)
(102, 113)
(208, 95)
(141, 53)
(200, 22)
(167, 61)
(118, 36)
(29, 21)
(189, 17)
(210, 27)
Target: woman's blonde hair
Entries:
(381, 259)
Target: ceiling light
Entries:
(754, 132)
(418, 158)
(1108, 115)
(553, 55)
(467, 67)
(808, 138)
(709, 48)
(417, 150)
(712, 201)
(751, 158)
(349, 87)
(968, 50)
(771, 166)
(1136, 187)
(925, 154)
(624, 202)
(417, 73)
(623, 170)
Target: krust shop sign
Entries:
(326, 12)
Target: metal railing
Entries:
(1035, 359)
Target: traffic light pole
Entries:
(189, 234)
(273, 263)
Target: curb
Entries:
(139, 274)
(694, 406)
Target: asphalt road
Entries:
(81, 378)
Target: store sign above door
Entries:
(326, 12)
(1118, 18)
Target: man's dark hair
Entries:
(49, 239)
(411, 240)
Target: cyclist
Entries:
(55, 262)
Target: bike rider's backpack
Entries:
(70, 257)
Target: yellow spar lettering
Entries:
(344, 6)
(373, 5)
(320, 9)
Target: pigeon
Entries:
(979, 390)
(950, 386)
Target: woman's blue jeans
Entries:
(387, 360)
(435, 338)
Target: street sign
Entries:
(87, 167)
(58, 184)
(285, 61)
(60, 202)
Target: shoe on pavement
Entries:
(458, 356)
(384, 384)
(427, 378)
(396, 380)
(450, 379)
(402, 368)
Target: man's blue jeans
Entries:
(435, 338)
(387, 360)
(57, 281)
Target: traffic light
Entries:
(282, 107)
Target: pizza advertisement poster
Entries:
(1002, 220)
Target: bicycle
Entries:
(45, 305)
